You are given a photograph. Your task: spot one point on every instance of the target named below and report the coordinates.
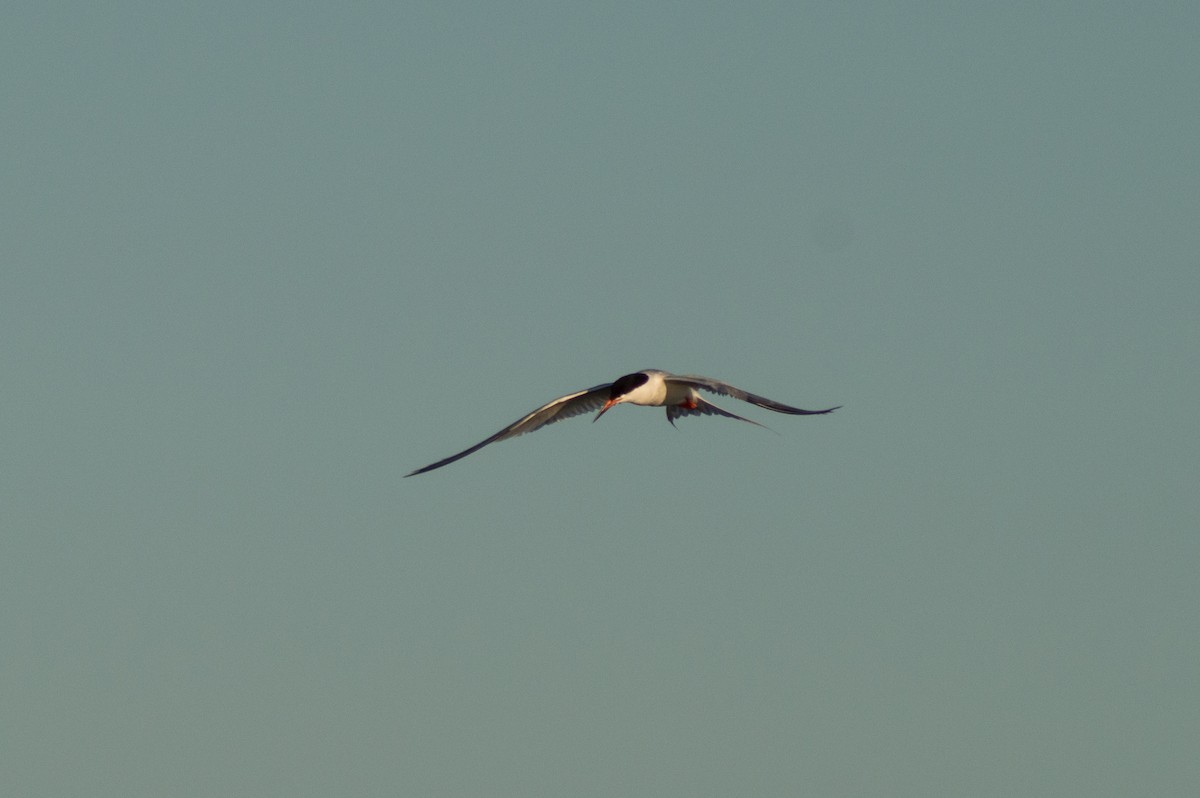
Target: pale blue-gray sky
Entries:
(261, 260)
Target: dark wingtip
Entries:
(798, 412)
(424, 469)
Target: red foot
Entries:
(690, 404)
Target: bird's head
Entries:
(619, 391)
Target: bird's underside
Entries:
(698, 406)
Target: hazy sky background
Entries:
(260, 260)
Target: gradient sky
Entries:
(260, 260)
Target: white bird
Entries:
(679, 393)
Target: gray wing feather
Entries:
(725, 389)
(569, 406)
(704, 408)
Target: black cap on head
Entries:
(625, 384)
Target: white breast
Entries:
(652, 393)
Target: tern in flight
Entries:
(679, 393)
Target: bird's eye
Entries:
(625, 384)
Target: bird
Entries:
(679, 393)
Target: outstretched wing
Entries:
(704, 408)
(725, 389)
(573, 404)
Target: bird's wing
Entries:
(725, 389)
(573, 404)
(704, 408)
